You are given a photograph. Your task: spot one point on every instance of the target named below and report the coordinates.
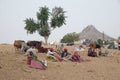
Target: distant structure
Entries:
(91, 33)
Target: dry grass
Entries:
(13, 67)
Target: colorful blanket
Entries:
(37, 65)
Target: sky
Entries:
(103, 14)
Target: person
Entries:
(33, 61)
(60, 47)
(52, 55)
(31, 49)
(65, 53)
(91, 52)
(76, 57)
(31, 54)
(118, 44)
(50, 52)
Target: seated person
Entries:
(76, 57)
(52, 55)
(118, 44)
(65, 53)
(32, 49)
(92, 53)
(31, 54)
(51, 51)
(33, 61)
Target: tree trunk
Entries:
(46, 39)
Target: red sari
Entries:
(76, 57)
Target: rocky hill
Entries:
(91, 33)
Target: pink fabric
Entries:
(36, 64)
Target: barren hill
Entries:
(91, 33)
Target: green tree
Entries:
(100, 42)
(45, 22)
(119, 38)
(70, 37)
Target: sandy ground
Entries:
(13, 67)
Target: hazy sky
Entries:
(103, 14)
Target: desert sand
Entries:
(13, 66)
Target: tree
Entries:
(42, 25)
(100, 42)
(70, 37)
(119, 38)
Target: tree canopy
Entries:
(46, 21)
(119, 38)
(70, 37)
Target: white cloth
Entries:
(50, 53)
(33, 50)
(79, 49)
